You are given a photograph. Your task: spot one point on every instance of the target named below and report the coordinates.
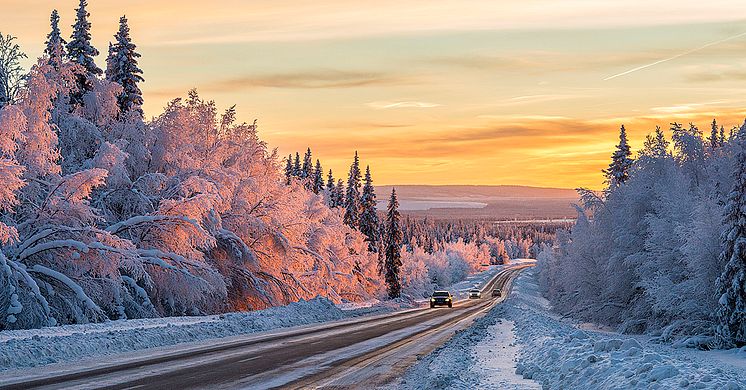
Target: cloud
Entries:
(310, 80)
(321, 79)
(403, 104)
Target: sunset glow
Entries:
(449, 92)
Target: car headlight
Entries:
(432, 299)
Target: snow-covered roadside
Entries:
(559, 355)
(36, 347)
(554, 353)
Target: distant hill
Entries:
(483, 202)
(476, 191)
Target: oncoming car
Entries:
(496, 292)
(441, 298)
(475, 294)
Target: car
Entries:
(475, 294)
(441, 298)
(496, 292)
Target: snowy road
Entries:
(362, 352)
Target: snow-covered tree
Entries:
(330, 190)
(318, 178)
(11, 72)
(352, 197)
(55, 44)
(297, 172)
(368, 215)
(393, 242)
(289, 170)
(731, 285)
(714, 139)
(621, 162)
(81, 51)
(339, 194)
(122, 68)
(306, 170)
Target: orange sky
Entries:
(525, 92)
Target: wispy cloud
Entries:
(322, 79)
(383, 105)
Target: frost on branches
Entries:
(649, 260)
(104, 216)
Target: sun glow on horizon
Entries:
(516, 92)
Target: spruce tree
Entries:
(714, 135)
(306, 170)
(80, 51)
(318, 178)
(722, 135)
(731, 285)
(339, 194)
(393, 244)
(621, 162)
(55, 44)
(352, 200)
(296, 165)
(289, 170)
(368, 215)
(330, 188)
(122, 69)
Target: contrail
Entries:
(675, 57)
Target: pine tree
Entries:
(352, 200)
(55, 44)
(368, 215)
(81, 52)
(731, 285)
(289, 169)
(621, 162)
(393, 247)
(318, 178)
(122, 69)
(306, 170)
(296, 165)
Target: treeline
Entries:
(664, 251)
(439, 253)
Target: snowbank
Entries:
(560, 356)
(35, 347)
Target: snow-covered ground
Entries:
(522, 345)
(35, 347)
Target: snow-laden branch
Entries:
(149, 219)
(79, 293)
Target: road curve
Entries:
(363, 352)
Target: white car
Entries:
(475, 294)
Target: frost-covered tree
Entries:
(289, 169)
(339, 194)
(393, 243)
(122, 68)
(55, 44)
(81, 51)
(731, 285)
(11, 72)
(621, 162)
(296, 166)
(318, 178)
(352, 197)
(306, 170)
(368, 214)
(714, 135)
